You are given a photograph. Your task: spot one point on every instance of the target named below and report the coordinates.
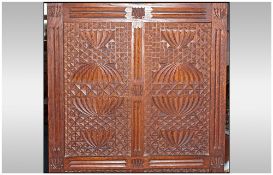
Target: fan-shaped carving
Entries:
(97, 38)
(97, 138)
(178, 73)
(178, 38)
(182, 105)
(177, 138)
(96, 73)
(97, 105)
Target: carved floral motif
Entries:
(101, 105)
(178, 38)
(95, 72)
(181, 105)
(97, 138)
(177, 138)
(97, 38)
(178, 73)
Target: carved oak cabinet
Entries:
(137, 87)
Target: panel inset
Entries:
(177, 81)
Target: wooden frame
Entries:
(213, 14)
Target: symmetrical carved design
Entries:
(182, 105)
(97, 138)
(218, 86)
(96, 73)
(216, 162)
(96, 87)
(178, 38)
(220, 13)
(97, 38)
(137, 90)
(138, 163)
(138, 13)
(178, 91)
(102, 105)
(178, 73)
(177, 138)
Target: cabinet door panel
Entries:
(136, 87)
(177, 81)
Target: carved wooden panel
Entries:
(97, 78)
(136, 87)
(177, 81)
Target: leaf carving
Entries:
(96, 73)
(97, 138)
(101, 106)
(177, 138)
(182, 105)
(97, 38)
(178, 73)
(178, 38)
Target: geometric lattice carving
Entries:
(177, 138)
(96, 73)
(96, 88)
(179, 89)
(181, 105)
(97, 38)
(178, 38)
(101, 105)
(178, 73)
(97, 138)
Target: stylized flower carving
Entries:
(178, 38)
(96, 73)
(101, 105)
(177, 138)
(181, 105)
(97, 38)
(97, 138)
(178, 73)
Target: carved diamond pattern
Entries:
(77, 53)
(157, 55)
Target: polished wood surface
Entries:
(137, 87)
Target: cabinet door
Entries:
(136, 87)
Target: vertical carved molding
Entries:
(55, 87)
(218, 77)
(137, 128)
(137, 86)
(137, 53)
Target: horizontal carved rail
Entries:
(96, 163)
(176, 163)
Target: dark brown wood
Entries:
(137, 87)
